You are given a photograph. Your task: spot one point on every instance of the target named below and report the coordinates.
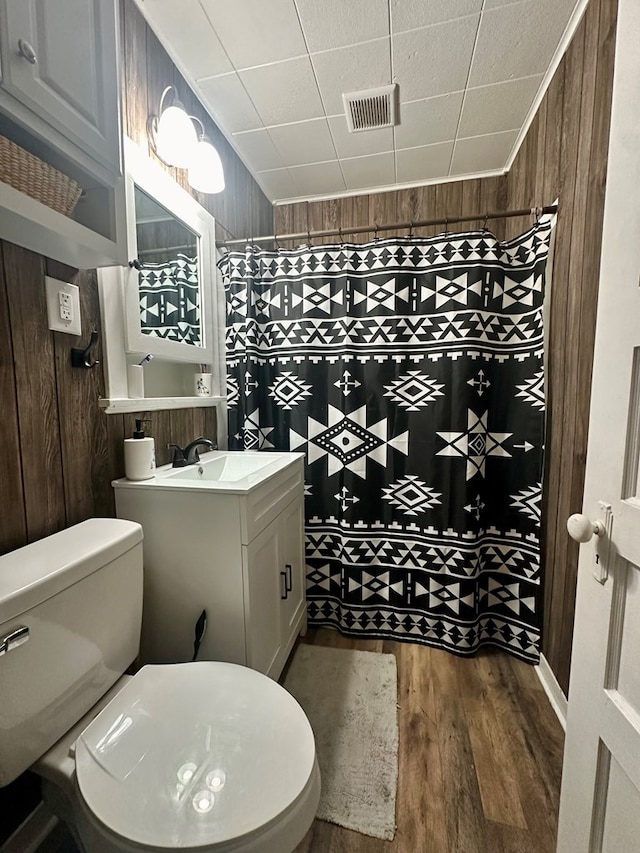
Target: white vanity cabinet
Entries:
(60, 101)
(236, 553)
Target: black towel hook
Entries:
(82, 357)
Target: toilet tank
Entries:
(77, 596)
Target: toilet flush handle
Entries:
(15, 638)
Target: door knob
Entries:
(582, 528)
(27, 52)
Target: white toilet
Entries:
(193, 757)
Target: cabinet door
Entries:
(261, 562)
(62, 62)
(292, 569)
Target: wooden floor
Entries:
(479, 761)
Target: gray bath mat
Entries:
(350, 698)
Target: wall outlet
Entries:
(63, 306)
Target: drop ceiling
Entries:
(272, 73)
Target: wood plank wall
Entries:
(564, 155)
(439, 200)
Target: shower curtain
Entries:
(409, 371)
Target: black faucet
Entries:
(191, 450)
(190, 455)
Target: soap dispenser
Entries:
(139, 454)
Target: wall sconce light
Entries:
(205, 169)
(174, 139)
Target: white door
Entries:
(600, 800)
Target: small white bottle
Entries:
(139, 454)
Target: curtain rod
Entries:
(420, 223)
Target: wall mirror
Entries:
(169, 284)
(168, 301)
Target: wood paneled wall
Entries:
(453, 199)
(564, 155)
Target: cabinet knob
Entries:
(582, 528)
(27, 52)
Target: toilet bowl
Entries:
(205, 756)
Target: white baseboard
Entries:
(553, 690)
(32, 832)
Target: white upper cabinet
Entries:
(61, 63)
(60, 103)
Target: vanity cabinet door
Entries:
(261, 559)
(60, 59)
(275, 601)
(292, 568)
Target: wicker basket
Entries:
(32, 176)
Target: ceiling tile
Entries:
(377, 170)
(531, 29)
(423, 163)
(482, 153)
(277, 184)
(360, 143)
(303, 142)
(494, 4)
(502, 106)
(244, 30)
(429, 121)
(187, 33)
(284, 92)
(257, 150)
(350, 69)
(334, 23)
(411, 14)
(426, 63)
(227, 100)
(318, 178)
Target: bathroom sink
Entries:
(224, 466)
(235, 471)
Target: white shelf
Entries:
(29, 223)
(122, 405)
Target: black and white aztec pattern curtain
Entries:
(170, 300)
(410, 373)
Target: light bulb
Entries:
(176, 136)
(205, 169)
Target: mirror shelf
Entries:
(124, 405)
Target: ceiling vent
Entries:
(371, 108)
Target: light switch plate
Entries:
(63, 306)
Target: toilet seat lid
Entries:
(195, 754)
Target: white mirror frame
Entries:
(116, 283)
(148, 175)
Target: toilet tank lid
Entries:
(30, 575)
